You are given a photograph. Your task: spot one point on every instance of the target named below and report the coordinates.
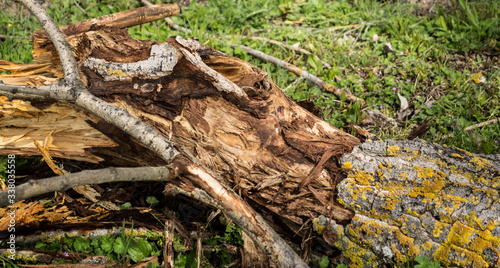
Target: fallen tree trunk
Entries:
(255, 136)
(413, 198)
(209, 116)
(232, 119)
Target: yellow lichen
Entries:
(438, 228)
(27, 257)
(480, 163)
(427, 246)
(347, 165)
(456, 155)
(393, 150)
(320, 228)
(467, 258)
(118, 73)
(389, 204)
(363, 178)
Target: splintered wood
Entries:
(226, 112)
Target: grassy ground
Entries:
(445, 60)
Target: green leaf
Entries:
(323, 263)
(424, 262)
(81, 245)
(152, 201)
(107, 243)
(125, 206)
(191, 259)
(95, 243)
(135, 252)
(40, 245)
(145, 247)
(119, 246)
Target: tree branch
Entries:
(292, 68)
(61, 183)
(25, 92)
(68, 62)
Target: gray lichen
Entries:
(161, 62)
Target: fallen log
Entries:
(226, 119)
(209, 116)
(413, 198)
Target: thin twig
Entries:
(68, 62)
(314, 79)
(478, 125)
(81, 8)
(343, 27)
(171, 24)
(294, 48)
(2, 36)
(293, 83)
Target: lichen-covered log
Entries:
(413, 198)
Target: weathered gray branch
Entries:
(61, 183)
(26, 92)
(68, 62)
(292, 68)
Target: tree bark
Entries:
(413, 198)
(228, 114)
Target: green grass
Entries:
(436, 55)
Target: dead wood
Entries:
(296, 70)
(62, 183)
(413, 198)
(267, 141)
(229, 121)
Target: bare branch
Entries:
(123, 19)
(60, 183)
(25, 92)
(68, 62)
(2, 36)
(318, 82)
(478, 125)
(120, 118)
(81, 8)
(171, 24)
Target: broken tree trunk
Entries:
(262, 142)
(234, 120)
(222, 118)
